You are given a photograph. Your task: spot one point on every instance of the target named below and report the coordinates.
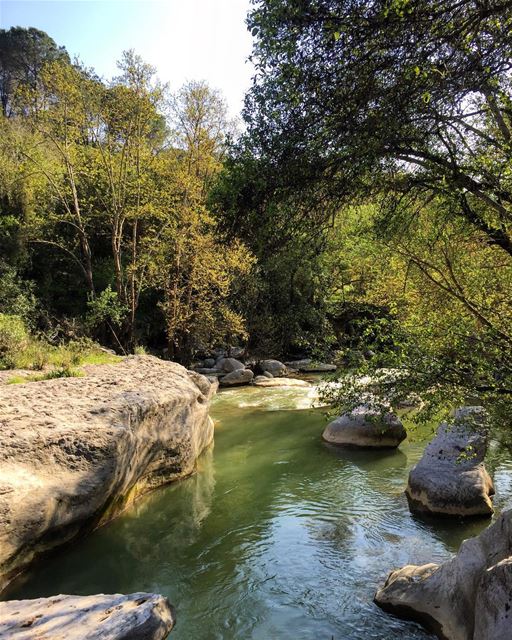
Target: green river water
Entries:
(278, 536)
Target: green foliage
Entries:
(14, 337)
(16, 295)
(105, 308)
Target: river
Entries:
(277, 537)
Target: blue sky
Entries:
(183, 39)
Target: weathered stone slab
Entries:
(74, 452)
(263, 381)
(466, 598)
(138, 616)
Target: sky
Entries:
(184, 39)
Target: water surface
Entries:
(278, 536)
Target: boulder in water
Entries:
(451, 478)
(237, 377)
(366, 426)
(466, 598)
(274, 367)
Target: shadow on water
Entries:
(277, 536)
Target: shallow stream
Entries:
(277, 537)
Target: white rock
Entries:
(74, 452)
(262, 381)
(466, 598)
(138, 616)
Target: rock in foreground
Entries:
(466, 598)
(366, 426)
(138, 616)
(451, 478)
(74, 452)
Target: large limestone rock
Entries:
(237, 377)
(274, 367)
(451, 478)
(138, 616)
(466, 598)
(74, 452)
(366, 426)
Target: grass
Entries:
(63, 372)
(38, 355)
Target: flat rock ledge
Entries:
(466, 598)
(75, 452)
(262, 381)
(451, 478)
(366, 427)
(138, 616)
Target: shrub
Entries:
(14, 338)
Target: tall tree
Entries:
(23, 54)
(416, 93)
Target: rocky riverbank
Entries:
(74, 452)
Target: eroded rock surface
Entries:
(74, 452)
(138, 616)
(466, 598)
(366, 426)
(451, 478)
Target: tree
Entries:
(23, 54)
(196, 273)
(410, 97)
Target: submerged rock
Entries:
(466, 598)
(451, 478)
(262, 381)
(138, 616)
(74, 452)
(274, 367)
(237, 377)
(366, 426)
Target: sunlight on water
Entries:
(277, 536)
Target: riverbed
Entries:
(277, 536)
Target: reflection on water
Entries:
(278, 536)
